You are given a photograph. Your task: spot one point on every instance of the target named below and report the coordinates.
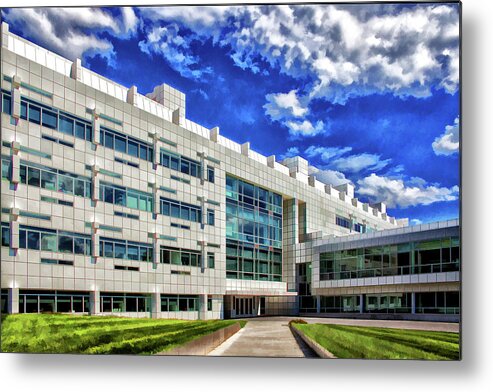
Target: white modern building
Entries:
(113, 202)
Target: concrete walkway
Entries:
(264, 337)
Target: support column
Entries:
(203, 307)
(318, 304)
(13, 300)
(155, 305)
(94, 302)
(413, 303)
(361, 303)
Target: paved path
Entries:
(264, 337)
(271, 336)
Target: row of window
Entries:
(66, 242)
(49, 117)
(348, 224)
(127, 197)
(79, 302)
(187, 257)
(122, 249)
(123, 143)
(177, 209)
(50, 240)
(53, 179)
(185, 165)
(441, 255)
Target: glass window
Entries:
(79, 245)
(5, 236)
(109, 140)
(143, 153)
(49, 242)
(120, 251)
(65, 184)
(210, 217)
(80, 130)
(33, 240)
(108, 249)
(48, 180)
(210, 174)
(79, 188)
(66, 125)
(34, 114)
(132, 200)
(133, 252)
(33, 177)
(6, 103)
(120, 144)
(108, 194)
(65, 244)
(120, 197)
(49, 119)
(24, 110)
(133, 149)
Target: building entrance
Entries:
(244, 306)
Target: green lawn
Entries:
(55, 333)
(383, 343)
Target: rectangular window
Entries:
(210, 260)
(180, 163)
(210, 174)
(210, 217)
(181, 210)
(343, 222)
(5, 234)
(126, 197)
(125, 144)
(6, 103)
(128, 250)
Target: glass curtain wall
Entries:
(253, 232)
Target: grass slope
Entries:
(383, 343)
(39, 333)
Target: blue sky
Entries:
(367, 93)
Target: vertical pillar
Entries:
(95, 240)
(15, 108)
(203, 307)
(318, 304)
(361, 303)
(94, 302)
(413, 303)
(95, 183)
(13, 300)
(96, 123)
(155, 305)
(14, 228)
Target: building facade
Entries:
(115, 203)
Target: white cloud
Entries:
(326, 153)
(395, 193)
(305, 128)
(448, 142)
(57, 29)
(416, 222)
(328, 176)
(174, 47)
(359, 162)
(280, 106)
(291, 152)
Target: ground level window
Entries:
(53, 302)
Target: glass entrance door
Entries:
(243, 306)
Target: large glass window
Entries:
(126, 144)
(254, 231)
(123, 302)
(31, 301)
(126, 197)
(441, 255)
(5, 234)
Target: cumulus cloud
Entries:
(169, 42)
(326, 153)
(337, 52)
(396, 193)
(291, 152)
(448, 142)
(328, 176)
(280, 106)
(359, 162)
(305, 128)
(415, 222)
(64, 30)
